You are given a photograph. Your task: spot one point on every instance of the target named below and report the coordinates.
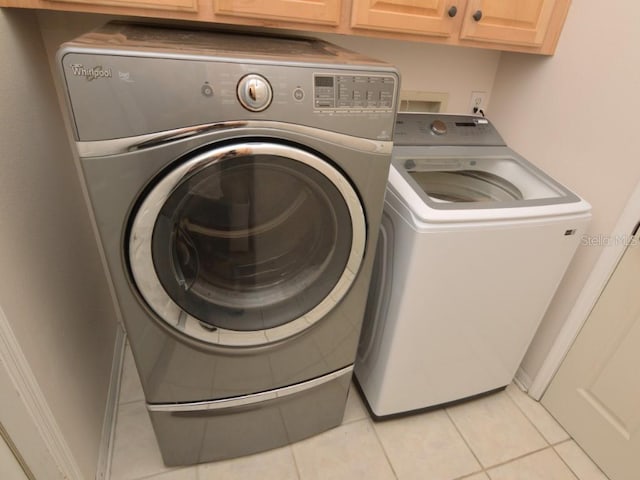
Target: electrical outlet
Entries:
(477, 101)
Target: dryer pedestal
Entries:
(211, 431)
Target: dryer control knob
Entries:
(254, 92)
(438, 127)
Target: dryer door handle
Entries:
(245, 401)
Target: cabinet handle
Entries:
(477, 16)
(452, 11)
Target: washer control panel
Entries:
(442, 129)
(438, 127)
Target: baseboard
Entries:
(32, 426)
(522, 380)
(103, 470)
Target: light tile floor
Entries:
(505, 436)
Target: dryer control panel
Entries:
(353, 92)
(126, 81)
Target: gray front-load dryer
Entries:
(237, 184)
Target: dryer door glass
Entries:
(257, 238)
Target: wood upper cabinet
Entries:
(324, 12)
(514, 22)
(531, 26)
(421, 17)
(170, 5)
(518, 25)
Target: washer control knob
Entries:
(438, 127)
(254, 92)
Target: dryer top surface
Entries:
(118, 38)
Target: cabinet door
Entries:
(421, 17)
(521, 22)
(325, 12)
(171, 5)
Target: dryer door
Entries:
(247, 243)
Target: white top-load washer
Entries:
(474, 242)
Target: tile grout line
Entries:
(169, 469)
(129, 402)
(489, 467)
(519, 457)
(386, 455)
(353, 420)
(550, 444)
(470, 475)
(575, 474)
(464, 440)
(562, 441)
(569, 466)
(295, 462)
(533, 424)
(293, 456)
(290, 444)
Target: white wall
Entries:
(576, 115)
(52, 288)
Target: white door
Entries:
(596, 393)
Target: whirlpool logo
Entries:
(91, 73)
